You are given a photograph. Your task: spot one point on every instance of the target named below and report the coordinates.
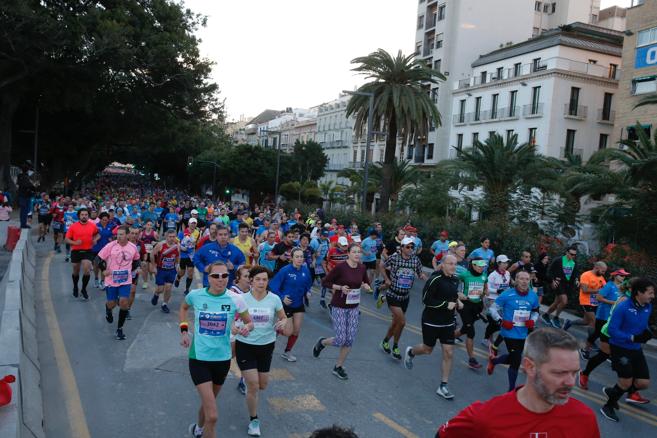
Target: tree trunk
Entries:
(8, 104)
(388, 161)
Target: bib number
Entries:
(353, 296)
(594, 300)
(120, 276)
(212, 324)
(261, 316)
(520, 317)
(168, 263)
(149, 247)
(405, 280)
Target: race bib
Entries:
(149, 247)
(594, 300)
(353, 296)
(212, 324)
(261, 316)
(475, 291)
(405, 279)
(319, 270)
(43, 211)
(171, 224)
(56, 226)
(520, 317)
(168, 262)
(120, 276)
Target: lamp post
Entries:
(367, 142)
(278, 160)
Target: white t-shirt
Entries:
(498, 282)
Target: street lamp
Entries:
(278, 160)
(367, 142)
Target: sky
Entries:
(273, 54)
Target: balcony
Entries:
(531, 111)
(460, 119)
(606, 116)
(510, 113)
(577, 152)
(575, 112)
(430, 22)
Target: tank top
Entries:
(147, 240)
(167, 257)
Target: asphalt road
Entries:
(96, 386)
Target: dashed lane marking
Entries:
(394, 426)
(307, 402)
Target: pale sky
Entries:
(273, 54)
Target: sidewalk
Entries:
(5, 256)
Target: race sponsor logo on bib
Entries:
(353, 296)
(212, 323)
(594, 300)
(168, 262)
(261, 316)
(520, 317)
(120, 276)
(405, 278)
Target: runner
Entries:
(171, 219)
(70, 217)
(105, 231)
(628, 329)
(282, 252)
(389, 248)
(346, 282)
(400, 271)
(542, 407)
(187, 237)
(484, 252)
(57, 212)
(254, 353)
(498, 281)
(516, 311)
(209, 237)
(221, 250)
(562, 277)
(369, 246)
(42, 207)
(120, 258)
(133, 237)
(148, 239)
(82, 235)
(241, 286)
(209, 352)
(267, 259)
(166, 255)
(291, 284)
(321, 252)
(475, 288)
(440, 299)
(439, 247)
(590, 284)
(245, 243)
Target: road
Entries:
(96, 386)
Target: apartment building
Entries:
(450, 34)
(614, 17)
(557, 91)
(639, 76)
(334, 134)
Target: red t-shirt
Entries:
(83, 232)
(335, 256)
(505, 417)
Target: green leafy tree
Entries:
(403, 174)
(402, 106)
(430, 197)
(309, 160)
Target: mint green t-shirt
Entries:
(263, 315)
(473, 285)
(214, 316)
(568, 266)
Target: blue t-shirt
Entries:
(292, 282)
(609, 292)
(170, 220)
(234, 227)
(440, 247)
(369, 247)
(263, 315)
(70, 217)
(628, 319)
(213, 252)
(486, 254)
(105, 236)
(121, 218)
(265, 248)
(418, 243)
(158, 211)
(213, 318)
(517, 308)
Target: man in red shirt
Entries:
(542, 407)
(82, 235)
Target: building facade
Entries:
(639, 77)
(335, 135)
(557, 90)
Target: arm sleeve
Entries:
(199, 260)
(277, 282)
(464, 425)
(616, 321)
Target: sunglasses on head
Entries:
(217, 276)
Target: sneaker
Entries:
(340, 373)
(58, 250)
(84, 293)
(491, 365)
(380, 301)
(119, 335)
(473, 364)
(636, 399)
(322, 304)
(567, 324)
(609, 413)
(546, 319)
(67, 258)
(144, 285)
(241, 386)
(109, 316)
(606, 391)
(155, 299)
(176, 282)
(165, 308)
(317, 349)
(443, 391)
(408, 359)
(556, 322)
(254, 428)
(586, 354)
(583, 381)
(396, 353)
(385, 346)
(76, 293)
(288, 356)
(191, 429)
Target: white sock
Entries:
(198, 430)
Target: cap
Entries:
(193, 220)
(480, 262)
(502, 259)
(453, 244)
(325, 233)
(195, 211)
(342, 241)
(356, 238)
(444, 233)
(408, 241)
(327, 226)
(620, 271)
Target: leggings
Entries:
(345, 326)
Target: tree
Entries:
(430, 197)
(402, 105)
(403, 174)
(309, 159)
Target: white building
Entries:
(281, 127)
(614, 17)
(335, 134)
(451, 33)
(555, 90)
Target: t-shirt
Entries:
(279, 249)
(441, 290)
(335, 256)
(263, 315)
(592, 281)
(213, 319)
(83, 232)
(440, 247)
(497, 283)
(402, 274)
(119, 260)
(609, 292)
(345, 275)
(264, 249)
(504, 417)
(170, 221)
(473, 285)
(188, 243)
(568, 266)
(486, 254)
(369, 247)
(517, 308)
(105, 236)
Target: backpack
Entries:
(425, 290)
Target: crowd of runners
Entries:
(247, 275)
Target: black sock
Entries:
(85, 281)
(443, 383)
(122, 315)
(188, 282)
(75, 280)
(615, 394)
(385, 339)
(395, 345)
(594, 362)
(498, 340)
(253, 418)
(410, 352)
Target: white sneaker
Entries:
(144, 286)
(288, 356)
(192, 429)
(254, 428)
(443, 391)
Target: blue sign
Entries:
(646, 56)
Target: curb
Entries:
(23, 417)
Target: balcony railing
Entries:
(606, 116)
(529, 111)
(460, 119)
(577, 112)
(430, 22)
(577, 152)
(510, 113)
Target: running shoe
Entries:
(317, 349)
(322, 303)
(254, 428)
(396, 353)
(155, 299)
(443, 391)
(458, 340)
(241, 386)
(192, 429)
(584, 353)
(606, 391)
(473, 364)
(546, 319)
(609, 413)
(567, 324)
(385, 346)
(583, 381)
(144, 285)
(556, 322)
(119, 335)
(165, 308)
(380, 301)
(340, 373)
(67, 258)
(288, 356)
(84, 293)
(636, 399)
(491, 365)
(408, 359)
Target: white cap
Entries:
(193, 220)
(195, 211)
(343, 241)
(356, 238)
(407, 241)
(502, 259)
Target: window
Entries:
(355, 155)
(593, 61)
(536, 65)
(437, 64)
(432, 126)
(537, 6)
(430, 151)
(410, 152)
(536, 95)
(459, 141)
(462, 111)
(632, 134)
(535, 31)
(509, 134)
(594, 18)
(484, 75)
(434, 95)
(418, 48)
(439, 41)
(491, 134)
(475, 137)
(606, 106)
(493, 106)
(644, 85)
(420, 21)
(532, 136)
(573, 103)
(647, 36)
(441, 12)
(477, 114)
(546, 8)
(602, 143)
(513, 98)
(570, 142)
(613, 71)
(499, 73)
(554, 8)
(516, 69)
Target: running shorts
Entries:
(186, 263)
(394, 302)
(370, 265)
(44, 219)
(289, 311)
(77, 255)
(113, 293)
(164, 276)
(431, 334)
(251, 356)
(629, 364)
(203, 371)
(588, 309)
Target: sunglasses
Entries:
(573, 255)
(409, 246)
(217, 276)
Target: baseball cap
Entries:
(453, 244)
(620, 271)
(444, 233)
(408, 241)
(195, 211)
(193, 220)
(356, 238)
(502, 259)
(342, 241)
(325, 233)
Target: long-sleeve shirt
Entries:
(345, 275)
(518, 308)
(213, 252)
(293, 283)
(628, 319)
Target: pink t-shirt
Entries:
(119, 262)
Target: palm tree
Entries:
(403, 174)
(402, 105)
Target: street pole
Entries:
(367, 149)
(278, 168)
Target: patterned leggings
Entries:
(345, 326)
